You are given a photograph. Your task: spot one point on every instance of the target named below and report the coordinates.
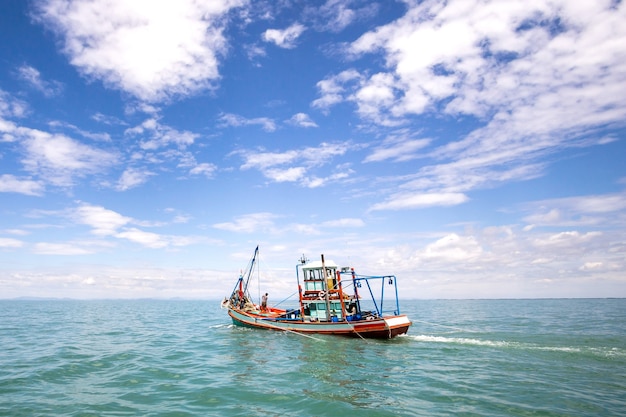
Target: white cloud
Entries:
(108, 223)
(12, 184)
(524, 60)
(573, 240)
(291, 174)
(539, 76)
(107, 120)
(148, 239)
(104, 222)
(590, 210)
(336, 15)
(131, 178)
(159, 136)
(205, 169)
(86, 282)
(152, 50)
(16, 232)
(336, 88)
(374, 93)
(254, 51)
(296, 165)
(405, 201)
(101, 137)
(45, 248)
(453, 248)
(285, 38)
(11, 107)
(249, 223)
(159, 146)
(302, 120)
(58, 159)
(228, 119)
(10, 243)
(33, 77)
(315, 181)
(398, 148)
(264, 222)
(345, 222)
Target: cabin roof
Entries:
(318, 264)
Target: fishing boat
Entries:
(331, 301)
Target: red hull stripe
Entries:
(385, 328)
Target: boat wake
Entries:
(502, 344)
(222, 326)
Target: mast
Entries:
(327, 293)
(256, 252)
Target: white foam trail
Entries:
(599, 351)
(460, 341)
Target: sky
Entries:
(472, 148)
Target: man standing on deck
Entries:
(264, 302)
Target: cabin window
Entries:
(318, 311)
(313, 285)
(312, 274)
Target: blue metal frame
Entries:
(358, 278)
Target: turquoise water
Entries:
(184, 358)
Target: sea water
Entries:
(185, 358)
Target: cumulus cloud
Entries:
(131, 178)
(229, 119)
(104, 222)
(589, 210)
(148, 239)
(58, 159)
(336, 15)
(12, 184)
(336, 88)
(285, 38)
(10, 107)
(515, 58)
(150, 50)
(538, 77)
(205, 169)
(155, 135)
(453, 248)
(302, 120)
(297, 165)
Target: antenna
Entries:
(303, 259)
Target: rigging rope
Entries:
(443, 325)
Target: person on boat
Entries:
(264, 303)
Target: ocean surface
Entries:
(185, 358)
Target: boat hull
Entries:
(378, 328)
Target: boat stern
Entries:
(397, 325)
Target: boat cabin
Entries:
(322, 297)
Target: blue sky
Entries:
(472, 148)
